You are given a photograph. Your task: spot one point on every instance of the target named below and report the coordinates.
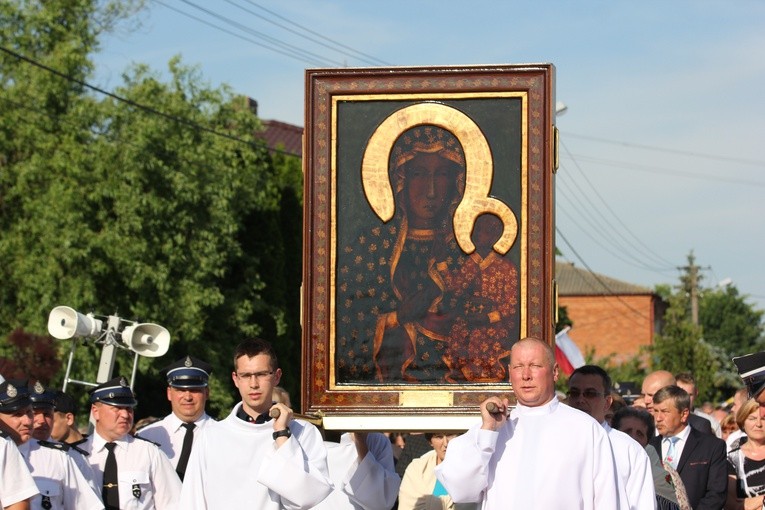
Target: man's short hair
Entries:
(65, 403)
(254, 346)
(686, 378)
(681, 397)
(595, 370)
(638, 413)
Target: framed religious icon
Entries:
(428, 239)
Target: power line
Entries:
(668, 171)
(668, 150)
(334, 46)
(140, 106)
(606, 247)
(640, 246)
(605, 286)
(283, 48)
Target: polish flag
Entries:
(567, 354)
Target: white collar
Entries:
(541, 410)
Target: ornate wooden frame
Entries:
(504, 117)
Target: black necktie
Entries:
(110, 492)
(186, 449)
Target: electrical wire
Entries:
(334, 45)
(606, 288)
(638, 245)
(148, 109)
(667, 150)
(668, 171)
(285, 49)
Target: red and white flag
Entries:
(567, 354)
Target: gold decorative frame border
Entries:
(361, 407)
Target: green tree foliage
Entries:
(728, 326)
(729, 322)
(680, 346)
(155, 208)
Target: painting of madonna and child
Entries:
(412, 305)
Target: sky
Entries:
(662, 135)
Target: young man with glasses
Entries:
(589, 390)
(251, 459)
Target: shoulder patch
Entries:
(54, 445)
(148, 441)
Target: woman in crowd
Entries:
(420, 490)
(746, 464)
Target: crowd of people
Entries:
(585, 449)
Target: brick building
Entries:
(609, 316)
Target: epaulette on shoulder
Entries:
(148, 441)
(54, 445)
(77, 449)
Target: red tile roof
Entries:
(282, 136)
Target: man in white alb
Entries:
(528, 458)
(589, 390)
(250, 459)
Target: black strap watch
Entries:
(282, 433)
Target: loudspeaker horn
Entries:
(147, 339)
(65, 323)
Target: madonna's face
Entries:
(429, 187)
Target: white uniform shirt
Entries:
(169, 433)
(634, 469)
(146, 479)
(16, 483)
(371, 484)
(58, 479)
(235, 464)
(550, 456)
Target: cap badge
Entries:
(123, 382)
(12, 392)
(188, 362)
(39, 388)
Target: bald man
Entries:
(659, 379)
(542, 454)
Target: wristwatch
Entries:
(282, 433)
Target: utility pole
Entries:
(691, 283)
(693, 272)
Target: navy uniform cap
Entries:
(751, 368)
(42, 398)
(65, 403)
(114, 393)
(188, 372)
(14, 395)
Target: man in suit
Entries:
(655, 381)
(700, 459)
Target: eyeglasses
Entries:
(260, 376)
(573, 393)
